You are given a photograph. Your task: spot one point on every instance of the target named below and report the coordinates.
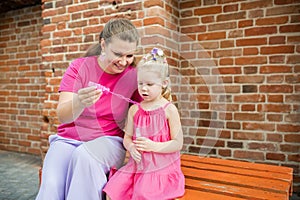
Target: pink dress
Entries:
(159, 175)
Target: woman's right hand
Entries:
(89, 95)
(71, 105)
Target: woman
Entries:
(89, 140)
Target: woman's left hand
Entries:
(144, 144)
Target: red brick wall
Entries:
(22, 80)
(235, 70)
(242, 60)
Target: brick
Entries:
(250, 98)
(189, 21)
(295, 158)
(272, 20)
(238, 135)
(250, 70)
(276, 156)
(293, 59)
(208, 11)
(289, 147)
(294, 118)
(251, 42)
(249, 116)
(221, 26)
(248, 107)
(276, 88)
(233, 125)
(249, 79)
(250, 51)
(212, 36)
(275, 98)
(273, 137)
(245, 23)
(210, 142)
(224, 152)
(189, 4)
(293, 138)
(259, 126)
(251, 60)
(275, 79)
(154, 20)
(251, 155)
(276, 59)
(232, 144)
(260, 31)
(233, 16)
(230, 8)
(282, 10)
(249, 89)
(77, 8)
(277, 49)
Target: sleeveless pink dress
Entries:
(159, 175)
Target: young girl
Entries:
(153, 137)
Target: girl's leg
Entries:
(90, 163)
(55, 170)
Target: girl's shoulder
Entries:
(133, 109)
(171, 110)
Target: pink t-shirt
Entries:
(107, 115)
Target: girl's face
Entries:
(149, 84)
(119, 55)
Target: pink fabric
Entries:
(159, 176)
(107, 115)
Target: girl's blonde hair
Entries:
(120, 28)
(157, 61)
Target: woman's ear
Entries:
(102, 43)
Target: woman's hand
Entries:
(89, 95)
(144, 144)
(135, 154)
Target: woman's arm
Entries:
(71, 105)
(176, 142)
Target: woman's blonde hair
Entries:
(120, 28)
(157, 61)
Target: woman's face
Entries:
(119, 55)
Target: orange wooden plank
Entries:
(236, 170)
(239, 180)
(200, 195)
(240, 164)
(277, 172)
(238, 191)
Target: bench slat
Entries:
(245, 181)
(215, 178)
(230, 190)
(240, 164)
(200, 195)
(236, 170)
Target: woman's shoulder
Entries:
(83, 59)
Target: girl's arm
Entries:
(127, 142)
(176, 142)
(71, 105)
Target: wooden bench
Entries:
(219, 179)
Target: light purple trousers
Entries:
(75, 170)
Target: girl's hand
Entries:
(89, 95)
(135, 154)
(144, 144)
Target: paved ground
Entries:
(19, 176)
